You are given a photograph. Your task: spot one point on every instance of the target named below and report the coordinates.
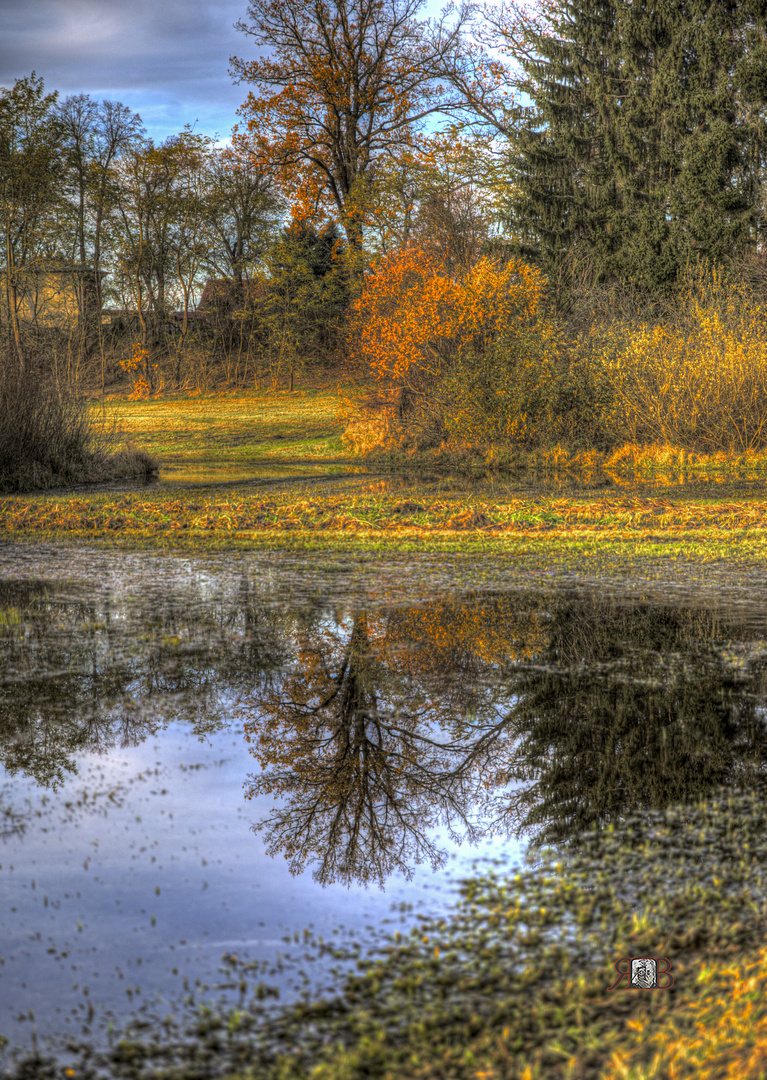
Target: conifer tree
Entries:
(565, 152)
(687, 192)
(645, 145)
(307, 294)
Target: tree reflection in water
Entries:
(358, 750)
(88, 675)
(631, 708)
(519, 714)
(525, 713)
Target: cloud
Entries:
(167, 59)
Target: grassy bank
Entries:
(630, 463)
(269, 470)
(239, 518)
(232, 429)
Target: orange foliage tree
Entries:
(474, 355)
(344, 83)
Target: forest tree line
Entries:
(549, 187)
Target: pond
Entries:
(209, 764)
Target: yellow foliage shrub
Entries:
(697, 380)
(141, 389)
(475, 356)
(137, 366)
(476, 360)
(412, 318)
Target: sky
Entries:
(167, 60)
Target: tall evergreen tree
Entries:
(308, 291)
(645, 144)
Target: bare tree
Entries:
(30, 171)
(343, 84)
(244, 210)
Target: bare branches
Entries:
(342, 84)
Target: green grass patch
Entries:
(267, 469)
(279, 516)
(229, 428)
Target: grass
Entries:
(252, 470)
(249, 515)
(235, 429)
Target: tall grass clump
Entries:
(47, 436)
(697, 378)
(44, 433)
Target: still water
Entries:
(204, 758)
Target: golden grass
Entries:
(243, 511)
(247, 426)
(654, 463)
(212, 449)
(719, 1032)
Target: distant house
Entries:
(57, 296)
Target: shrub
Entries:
(480, 361)
(698, 378)
(44, 434)
(525, 395)
(474, 359)
(47, 436)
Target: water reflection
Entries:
(521, 714)
(525, 713)
(361, 751)
(98, 673)
(631, 708)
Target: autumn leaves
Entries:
(462, 348)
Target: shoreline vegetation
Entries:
(549, 309)
(330, 466)
(265, 469)
(90, 468)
